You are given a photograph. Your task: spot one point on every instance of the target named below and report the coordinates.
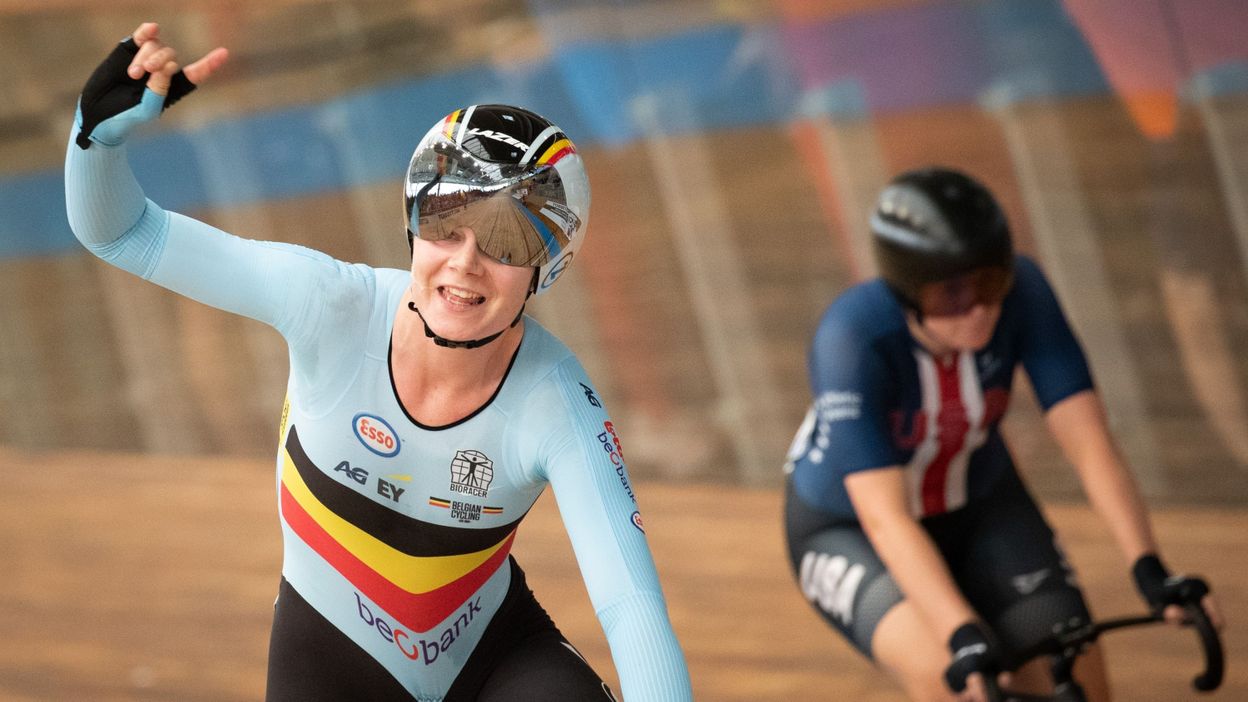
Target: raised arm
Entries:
(285, 286)
(133, 85)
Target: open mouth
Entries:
(459, 296)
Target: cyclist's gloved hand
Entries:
(974, 651)
(113, 103)
(1160, 589)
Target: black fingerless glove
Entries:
(110, 90)
(974, 651)
(1160, 589)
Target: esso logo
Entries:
(376, 435)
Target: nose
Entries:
(467, 256)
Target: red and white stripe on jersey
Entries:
(953, 405)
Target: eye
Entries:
(450, 239)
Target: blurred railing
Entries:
(734, 149)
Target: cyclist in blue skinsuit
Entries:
(908, 527)
(425, 413)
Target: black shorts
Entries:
(521, 657)
(1001, 552)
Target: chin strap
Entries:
(470, 344)
(473, 343)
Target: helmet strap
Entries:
(473, 343)
(469, 344)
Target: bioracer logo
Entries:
(471, 473)
(376, 434)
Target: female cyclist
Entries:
(425, 412)
(908, 527)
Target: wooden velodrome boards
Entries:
(131, 577)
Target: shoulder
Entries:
(859, 317)
(549, 399)
(390, 283)
(543, 368)
(549, 388)
(347, 289)
(1029, 279)
(1031, 297)
(360, 285)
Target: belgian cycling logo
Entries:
(465, 512)
(471, 473)
(376, 434)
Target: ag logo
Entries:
(376, 435)
(471, 473)
(590, 396)
(557, 269)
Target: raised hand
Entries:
(160, 60)
(138, 80)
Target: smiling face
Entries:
(462, 293)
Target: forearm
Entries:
(644, 649)
(103, 200)
(1116, 499)
(105, 205)
(1080, 427)
(920, 571)
(879, 498)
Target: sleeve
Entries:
(285, 286)
(1051, 354)
(584, 463)
(850, 382)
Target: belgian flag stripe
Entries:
(407, 534)
(417, 611)
(412, 573)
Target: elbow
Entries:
(886, 525)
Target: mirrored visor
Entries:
(957, 296)
(518, 214)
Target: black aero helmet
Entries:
(936, 224)
(512, 176)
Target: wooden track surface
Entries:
(132, 577)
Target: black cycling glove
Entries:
(111, 91)
(1160, 589)
(974, 651)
